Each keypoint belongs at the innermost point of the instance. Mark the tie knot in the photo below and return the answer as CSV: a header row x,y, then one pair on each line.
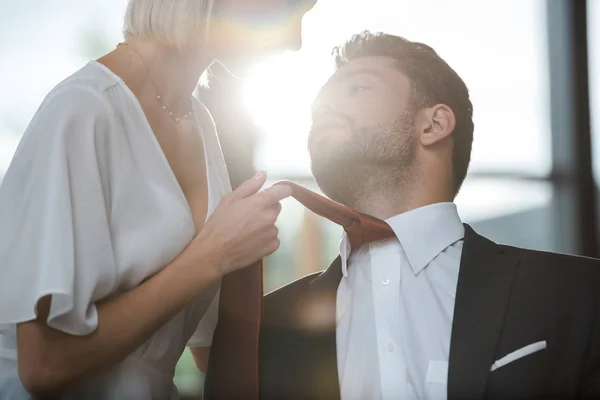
x,y
367,229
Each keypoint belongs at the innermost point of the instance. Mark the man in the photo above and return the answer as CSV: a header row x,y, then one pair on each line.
x,y
436,311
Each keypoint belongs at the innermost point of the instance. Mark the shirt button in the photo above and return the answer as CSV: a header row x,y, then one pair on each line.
x,y
385,281
391,347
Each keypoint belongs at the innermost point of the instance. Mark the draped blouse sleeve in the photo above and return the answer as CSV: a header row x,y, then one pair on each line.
x,y
55,237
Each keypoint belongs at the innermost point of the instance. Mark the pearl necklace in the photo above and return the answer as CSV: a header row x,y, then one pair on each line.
x,y
173,117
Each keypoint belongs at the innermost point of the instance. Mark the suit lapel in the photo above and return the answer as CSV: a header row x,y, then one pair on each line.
x,y
484,285
298,339
321,347
330,278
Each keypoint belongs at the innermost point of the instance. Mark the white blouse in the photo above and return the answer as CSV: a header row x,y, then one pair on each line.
x,y
90,208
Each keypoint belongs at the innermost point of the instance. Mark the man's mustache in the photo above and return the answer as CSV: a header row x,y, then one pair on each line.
x,y
330,119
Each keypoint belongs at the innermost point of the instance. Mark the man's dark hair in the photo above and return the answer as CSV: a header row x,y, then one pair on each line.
x,y
432,82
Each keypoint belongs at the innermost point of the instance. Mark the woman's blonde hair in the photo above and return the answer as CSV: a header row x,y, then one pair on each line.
x,y
180,23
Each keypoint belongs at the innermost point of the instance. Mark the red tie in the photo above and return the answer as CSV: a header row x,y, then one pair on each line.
x,y
234,353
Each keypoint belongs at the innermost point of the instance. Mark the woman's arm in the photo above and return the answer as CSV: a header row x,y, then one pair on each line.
x,y
50,360
240,231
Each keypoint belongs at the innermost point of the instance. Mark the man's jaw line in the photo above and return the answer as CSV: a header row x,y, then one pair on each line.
x,y
388,197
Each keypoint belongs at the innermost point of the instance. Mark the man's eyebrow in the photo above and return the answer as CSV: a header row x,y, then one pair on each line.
x,y
361,71
342,76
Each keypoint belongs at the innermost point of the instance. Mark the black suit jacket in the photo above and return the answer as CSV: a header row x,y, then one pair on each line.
x,y
506,298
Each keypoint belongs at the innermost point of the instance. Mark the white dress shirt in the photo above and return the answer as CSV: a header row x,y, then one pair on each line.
x,y
90,208
395,306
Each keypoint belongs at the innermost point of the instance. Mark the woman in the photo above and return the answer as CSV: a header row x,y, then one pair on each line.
x,y
117,220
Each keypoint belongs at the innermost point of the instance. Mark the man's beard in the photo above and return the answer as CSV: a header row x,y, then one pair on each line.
x,y
374,160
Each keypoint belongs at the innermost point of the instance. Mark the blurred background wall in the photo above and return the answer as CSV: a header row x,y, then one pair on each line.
x,y
536,152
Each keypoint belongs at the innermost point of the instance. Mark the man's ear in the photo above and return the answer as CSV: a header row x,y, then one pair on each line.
x,y
435,124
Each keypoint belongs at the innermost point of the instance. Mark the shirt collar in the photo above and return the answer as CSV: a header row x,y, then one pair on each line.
x,y
423,233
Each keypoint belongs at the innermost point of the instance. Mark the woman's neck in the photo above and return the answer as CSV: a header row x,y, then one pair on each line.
x,y
165,71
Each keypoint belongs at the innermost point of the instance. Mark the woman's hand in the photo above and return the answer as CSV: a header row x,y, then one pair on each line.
x,y
242,229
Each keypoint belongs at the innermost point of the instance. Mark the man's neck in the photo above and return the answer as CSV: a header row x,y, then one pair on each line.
x,y
386,203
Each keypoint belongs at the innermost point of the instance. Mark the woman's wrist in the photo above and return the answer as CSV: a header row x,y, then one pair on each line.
x,y
201,262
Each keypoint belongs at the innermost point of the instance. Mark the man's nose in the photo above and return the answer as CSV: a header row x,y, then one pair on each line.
x,y
322,112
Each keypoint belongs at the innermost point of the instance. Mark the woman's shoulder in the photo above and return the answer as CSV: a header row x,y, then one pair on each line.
x,y
80,103
77,116
84,90
94,76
